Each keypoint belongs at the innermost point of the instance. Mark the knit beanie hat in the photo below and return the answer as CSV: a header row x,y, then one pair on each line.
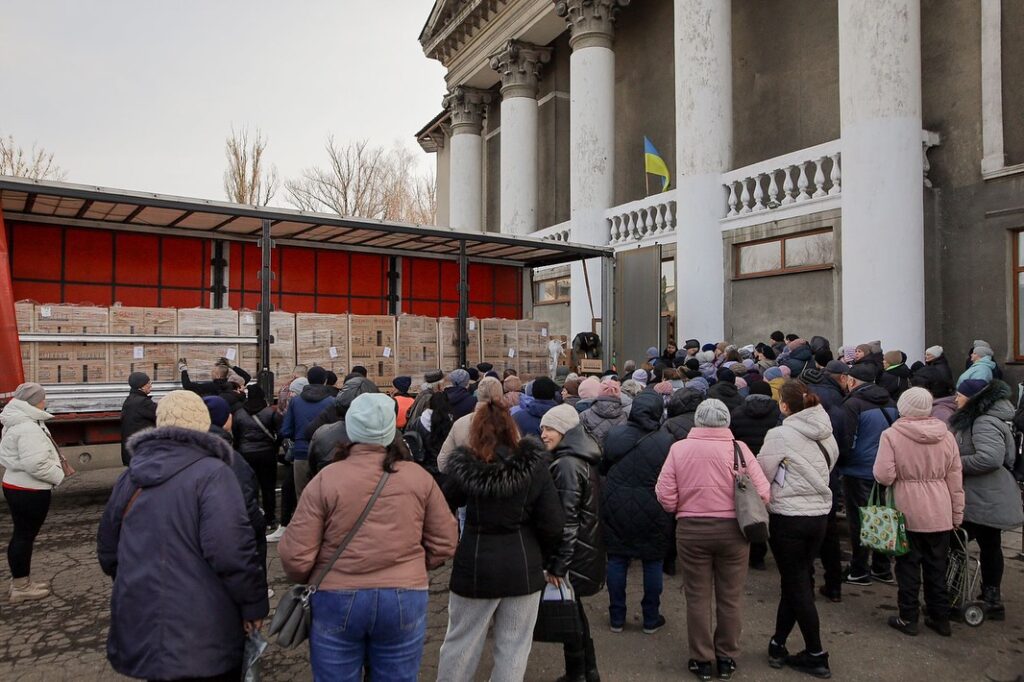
x,y
137,380
561,418
727,375
513,384
640,376
786,371
759,388
893,357
915,402
980,342
32,393
983,351
652,353
864,348
545,389
708,347
434,376
371,419
317,375
459,377
934,351
489,390
712,413
611,388
589,388
218,408
485,367
474,374
772,373
971,387
692,363
663,388
402,383
631,388
741,383
184,409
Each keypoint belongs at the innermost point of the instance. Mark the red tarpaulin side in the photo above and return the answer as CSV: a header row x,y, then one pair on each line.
x,y
11,371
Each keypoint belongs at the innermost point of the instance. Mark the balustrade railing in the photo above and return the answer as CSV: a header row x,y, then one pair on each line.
x,y
648,218
806,175
562,232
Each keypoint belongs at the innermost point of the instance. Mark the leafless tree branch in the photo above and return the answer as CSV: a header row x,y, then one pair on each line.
x,y
247,179
35,163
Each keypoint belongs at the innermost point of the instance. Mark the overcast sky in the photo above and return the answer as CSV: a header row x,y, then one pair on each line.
x,y
140,94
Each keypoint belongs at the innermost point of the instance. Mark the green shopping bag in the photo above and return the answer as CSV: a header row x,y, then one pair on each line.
x,y
883,528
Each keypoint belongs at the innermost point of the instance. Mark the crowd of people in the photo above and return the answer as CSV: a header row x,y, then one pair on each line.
x,y
560,482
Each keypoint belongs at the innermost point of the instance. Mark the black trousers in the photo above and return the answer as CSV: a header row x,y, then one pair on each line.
x,y
288,498
795,542
831,553
265,468
28,512
928,556
585,643
990,544
857,491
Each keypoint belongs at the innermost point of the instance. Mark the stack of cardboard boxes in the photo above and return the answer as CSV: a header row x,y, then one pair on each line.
x,y
448,338
206,322
282,350
533,355
322,340
372,345
66,362
158,360
417,347
500,344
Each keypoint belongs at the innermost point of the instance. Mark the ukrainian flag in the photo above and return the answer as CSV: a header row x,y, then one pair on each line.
x,y
654,164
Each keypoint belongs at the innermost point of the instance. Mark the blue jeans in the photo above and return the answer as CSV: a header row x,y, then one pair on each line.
x,y
618,567
383,627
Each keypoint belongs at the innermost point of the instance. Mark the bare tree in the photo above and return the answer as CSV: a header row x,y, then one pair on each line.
x,y
36,163
247,179
366,181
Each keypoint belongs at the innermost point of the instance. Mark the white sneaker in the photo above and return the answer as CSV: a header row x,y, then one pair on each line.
x,y
270,593
277,534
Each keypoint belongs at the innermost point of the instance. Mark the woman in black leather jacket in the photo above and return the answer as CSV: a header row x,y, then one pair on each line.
x,y
255,437
580,557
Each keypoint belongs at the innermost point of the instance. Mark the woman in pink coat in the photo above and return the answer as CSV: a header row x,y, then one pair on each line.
x,y
696,484
919,458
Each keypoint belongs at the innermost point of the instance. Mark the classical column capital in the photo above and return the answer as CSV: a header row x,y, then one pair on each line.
x,y
468,106
592,22
519,64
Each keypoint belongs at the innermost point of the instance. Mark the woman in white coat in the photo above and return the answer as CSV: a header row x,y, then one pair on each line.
x,y
797,458
33,468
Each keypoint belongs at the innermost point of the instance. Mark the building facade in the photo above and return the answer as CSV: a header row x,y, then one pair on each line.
x,y
838,167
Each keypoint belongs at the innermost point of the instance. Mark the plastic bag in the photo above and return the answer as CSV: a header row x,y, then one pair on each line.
x,y
255,644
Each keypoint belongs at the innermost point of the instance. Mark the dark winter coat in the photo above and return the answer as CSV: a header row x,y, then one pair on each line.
x,y
605,413
988,452
752,420
251,440
221,387
828,392
727,392
862,421
353,388
634,523
580,554
799,359
184,562
138,412
462,401
528,418
874,360
942,365
895,380
314,399
250,491
681,408
513,521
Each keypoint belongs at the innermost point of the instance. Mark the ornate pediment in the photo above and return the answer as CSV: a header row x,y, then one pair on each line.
x,y
453,23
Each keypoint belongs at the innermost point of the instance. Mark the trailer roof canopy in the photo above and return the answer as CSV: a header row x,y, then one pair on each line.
x,y
83,205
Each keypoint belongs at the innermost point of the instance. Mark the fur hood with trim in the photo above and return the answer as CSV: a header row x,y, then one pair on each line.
x,y
983,403
508,475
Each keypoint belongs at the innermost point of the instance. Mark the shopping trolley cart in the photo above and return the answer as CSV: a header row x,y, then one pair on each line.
x,y
962,579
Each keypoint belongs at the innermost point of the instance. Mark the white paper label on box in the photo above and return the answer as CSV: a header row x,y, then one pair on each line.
x,y
46,311
387,352
472,326
248,318
333,352
138,352
511,352
543,331
230,354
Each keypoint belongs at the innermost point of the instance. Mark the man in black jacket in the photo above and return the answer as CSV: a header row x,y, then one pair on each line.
x,y
219,383
138,411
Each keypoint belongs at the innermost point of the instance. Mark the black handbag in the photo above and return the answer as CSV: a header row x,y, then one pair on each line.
x,y
293,615
558,619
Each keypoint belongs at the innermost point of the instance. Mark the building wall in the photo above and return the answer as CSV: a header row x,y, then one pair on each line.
x,y
1013,66
785,76
644,95
492,165
442,215
553,137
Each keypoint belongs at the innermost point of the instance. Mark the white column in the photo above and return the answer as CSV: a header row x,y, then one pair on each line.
x,y
465,189
993,158
519,65
883,203
591,141
703,53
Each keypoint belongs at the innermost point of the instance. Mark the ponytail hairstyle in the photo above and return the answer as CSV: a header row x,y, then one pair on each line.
x,y
796,397
492,426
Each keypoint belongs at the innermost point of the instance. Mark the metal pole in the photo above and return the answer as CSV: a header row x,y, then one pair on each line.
x,y
608,311
265,376
217,286
393,283
463,302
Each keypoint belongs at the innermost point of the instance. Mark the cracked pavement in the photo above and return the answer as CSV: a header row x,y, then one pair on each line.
x,y
64,637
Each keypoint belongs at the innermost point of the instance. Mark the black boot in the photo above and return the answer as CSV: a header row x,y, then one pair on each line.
x,y
590,662
994,609
575,666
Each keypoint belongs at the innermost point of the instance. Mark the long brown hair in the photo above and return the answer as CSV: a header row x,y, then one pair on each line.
x,y
397,451
491,427
796,396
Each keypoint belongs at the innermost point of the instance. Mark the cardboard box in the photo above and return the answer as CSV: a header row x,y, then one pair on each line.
x,y
282,328
322,340
592,367
207,322
201,357
372,344
417,346
52,318
158,360
24,312
143,321
448,341
534,357
28,361
499,343
58,362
